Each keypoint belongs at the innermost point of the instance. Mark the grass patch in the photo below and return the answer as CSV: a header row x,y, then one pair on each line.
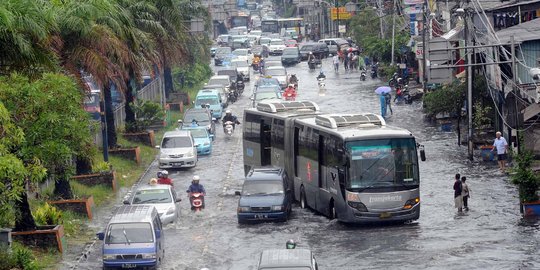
x,y
101,193
47,259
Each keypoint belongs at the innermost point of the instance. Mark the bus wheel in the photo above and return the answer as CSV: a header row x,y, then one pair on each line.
x,y
303,203
333,214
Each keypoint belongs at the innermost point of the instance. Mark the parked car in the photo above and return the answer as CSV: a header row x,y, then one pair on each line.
x,y
266,196
223,54
280,73
203,118
335,44
287,259
162,197
291,56
133,230
243,68
276,46
203,139
244,55
177,150
319,49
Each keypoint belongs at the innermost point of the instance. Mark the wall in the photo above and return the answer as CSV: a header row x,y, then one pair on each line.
x,y
530,54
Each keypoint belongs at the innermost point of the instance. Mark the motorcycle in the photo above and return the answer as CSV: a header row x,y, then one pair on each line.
x,y
240,86
197,201
363,75
406,95
232,96
228,128
313,63
374,69
321,82
289,96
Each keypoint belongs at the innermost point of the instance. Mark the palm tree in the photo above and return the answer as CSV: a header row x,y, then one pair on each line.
x,y
25,37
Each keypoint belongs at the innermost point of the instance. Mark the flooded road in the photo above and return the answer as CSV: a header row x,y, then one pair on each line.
x,y
491,235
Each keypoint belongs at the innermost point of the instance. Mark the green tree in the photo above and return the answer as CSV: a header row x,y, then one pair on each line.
x,y
49,112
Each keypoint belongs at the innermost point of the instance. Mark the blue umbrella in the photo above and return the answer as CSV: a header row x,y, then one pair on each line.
x,y
383,90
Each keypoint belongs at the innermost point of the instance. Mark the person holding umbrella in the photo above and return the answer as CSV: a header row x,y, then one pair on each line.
x,y
382,91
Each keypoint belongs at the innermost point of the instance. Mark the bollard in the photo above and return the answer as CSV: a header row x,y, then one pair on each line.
x,y
5,237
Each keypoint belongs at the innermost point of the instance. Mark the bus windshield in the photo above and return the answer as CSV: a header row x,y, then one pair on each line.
x,y
382,163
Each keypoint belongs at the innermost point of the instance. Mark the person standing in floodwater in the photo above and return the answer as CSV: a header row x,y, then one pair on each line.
x,y
458,189
501,146
465,193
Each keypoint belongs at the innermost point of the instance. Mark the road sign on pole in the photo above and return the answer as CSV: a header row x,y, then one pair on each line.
x,y
343,14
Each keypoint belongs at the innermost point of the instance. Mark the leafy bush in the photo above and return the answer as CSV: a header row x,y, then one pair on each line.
x,y
19,258
146,113
47,215
190,75
387,71
445,99
524,177
101,167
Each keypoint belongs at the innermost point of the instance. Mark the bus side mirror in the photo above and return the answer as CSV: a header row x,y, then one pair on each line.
x,y
422,153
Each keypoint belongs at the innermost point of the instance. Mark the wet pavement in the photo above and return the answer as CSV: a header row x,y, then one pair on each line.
x,y
492,235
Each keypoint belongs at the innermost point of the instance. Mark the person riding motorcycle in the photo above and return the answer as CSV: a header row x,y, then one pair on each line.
x,y
290,244
293,80
310,57
229,117
194,123
321,75
290,92
195,187
163,178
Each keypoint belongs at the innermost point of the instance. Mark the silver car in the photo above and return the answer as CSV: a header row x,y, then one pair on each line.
x,y
243,68
162,197
280,73
177,150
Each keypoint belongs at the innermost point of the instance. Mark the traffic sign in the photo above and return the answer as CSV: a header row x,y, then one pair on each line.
x,y
343,14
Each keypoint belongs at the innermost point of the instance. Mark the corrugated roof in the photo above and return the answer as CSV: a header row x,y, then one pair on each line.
x,y
490,5
526,31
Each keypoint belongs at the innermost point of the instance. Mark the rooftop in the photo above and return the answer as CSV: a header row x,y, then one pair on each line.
x,y
522,32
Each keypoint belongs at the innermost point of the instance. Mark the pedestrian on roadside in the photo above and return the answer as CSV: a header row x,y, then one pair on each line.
x,y
501,146
458,189
466,193
388,99
335,60
382,99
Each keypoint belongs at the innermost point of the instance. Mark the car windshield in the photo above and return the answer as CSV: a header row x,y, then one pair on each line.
x,y
262,187
267,81
176,142
276,72
198,133
240,52
290,52
276,42
146,196
306,48
257,50
240,64
198,116
382,163
122,233
267,95
223,50
224,82
206,100
264,40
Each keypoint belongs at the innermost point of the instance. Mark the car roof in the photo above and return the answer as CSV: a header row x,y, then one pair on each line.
x,y
276,67
207,92
220,76
197,110
285,258
134,213
177,133
276,39
265,173
213,86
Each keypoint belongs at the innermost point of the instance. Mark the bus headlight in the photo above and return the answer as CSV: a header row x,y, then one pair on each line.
x,y
358,206
410,203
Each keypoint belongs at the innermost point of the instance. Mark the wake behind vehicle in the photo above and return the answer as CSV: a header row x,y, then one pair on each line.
x,y
352,167
265,196
133,238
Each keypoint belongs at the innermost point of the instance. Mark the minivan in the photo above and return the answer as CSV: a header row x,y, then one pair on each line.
x,y
319,49
177,150
335,44
287,259
212,99
133,238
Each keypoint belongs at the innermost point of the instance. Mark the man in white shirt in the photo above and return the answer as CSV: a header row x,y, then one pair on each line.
x,y
501,146
335,60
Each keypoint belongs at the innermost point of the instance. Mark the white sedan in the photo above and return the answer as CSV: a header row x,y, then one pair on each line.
x,y
243,67
278,72
276,46
244,55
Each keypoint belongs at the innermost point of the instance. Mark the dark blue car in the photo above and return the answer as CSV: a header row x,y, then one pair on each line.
x,y
266,196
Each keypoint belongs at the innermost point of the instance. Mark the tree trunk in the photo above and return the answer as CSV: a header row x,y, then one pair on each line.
x,y
130,98
62,188
111,129
459,128
83,165
168,81
24,220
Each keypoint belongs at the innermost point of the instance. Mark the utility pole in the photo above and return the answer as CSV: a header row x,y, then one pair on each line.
x,y
393,30
424,46
104,137
514,86
469,89
336,3
380,12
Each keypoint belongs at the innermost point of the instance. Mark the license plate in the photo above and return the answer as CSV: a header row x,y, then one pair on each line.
x,y
177,163
129,265
260,216
385,215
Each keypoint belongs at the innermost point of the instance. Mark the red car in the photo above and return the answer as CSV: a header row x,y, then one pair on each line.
x,y
291,43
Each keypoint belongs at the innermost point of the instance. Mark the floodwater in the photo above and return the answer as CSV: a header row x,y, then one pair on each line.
x,y
492,235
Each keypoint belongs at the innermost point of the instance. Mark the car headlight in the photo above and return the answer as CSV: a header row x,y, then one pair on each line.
x,y
149,255
189,154
277,207
243,209
163,156
170,211
109,257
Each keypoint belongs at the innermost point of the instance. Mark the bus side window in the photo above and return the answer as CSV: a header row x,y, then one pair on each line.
x,y
296,149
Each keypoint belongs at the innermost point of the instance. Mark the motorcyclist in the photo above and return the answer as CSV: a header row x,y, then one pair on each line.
x,y
290,244
163,178
229,117
321,75
195,187
194,123
310,57
290,92
293,80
